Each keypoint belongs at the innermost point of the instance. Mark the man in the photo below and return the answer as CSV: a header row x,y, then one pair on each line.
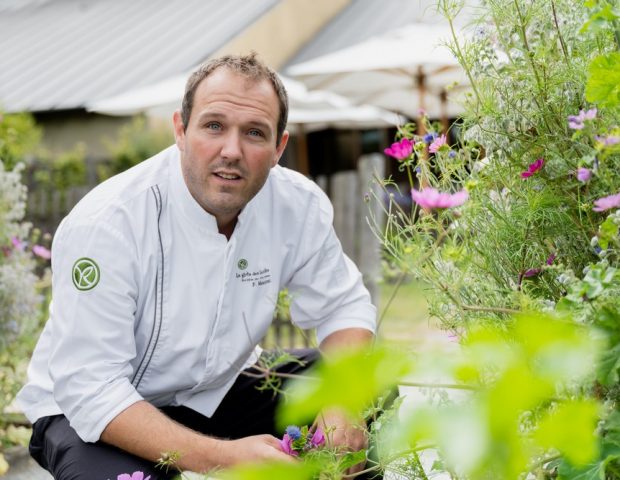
x,y
165,278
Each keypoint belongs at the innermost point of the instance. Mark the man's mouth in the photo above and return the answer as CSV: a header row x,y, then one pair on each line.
x,y
228,176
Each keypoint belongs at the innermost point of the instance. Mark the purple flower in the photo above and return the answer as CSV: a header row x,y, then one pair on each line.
x,y
286,444
583,174
400,150
532,272
18,244
429,137
576,122
452,154
608,141
133,476
430,198
293,431
533,168
605,203
41,251
318,438
437,144
551,259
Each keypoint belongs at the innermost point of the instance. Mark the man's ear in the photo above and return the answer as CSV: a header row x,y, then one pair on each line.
x,y
179,129
280,148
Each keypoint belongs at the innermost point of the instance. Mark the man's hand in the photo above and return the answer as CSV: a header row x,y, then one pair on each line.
x,y
254,449
343,434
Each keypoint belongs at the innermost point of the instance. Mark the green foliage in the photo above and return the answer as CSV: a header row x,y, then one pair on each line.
x,y
19,138
349,380
136,142
603,86
273,471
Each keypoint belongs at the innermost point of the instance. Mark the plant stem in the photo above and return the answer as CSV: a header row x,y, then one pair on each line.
x,y
474,308
389,302
451,386
557,26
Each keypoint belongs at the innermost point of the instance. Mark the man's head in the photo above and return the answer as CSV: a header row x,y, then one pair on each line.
x,y
230,134
247,65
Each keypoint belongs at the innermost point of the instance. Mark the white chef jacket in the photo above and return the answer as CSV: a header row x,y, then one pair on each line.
x,y
151,302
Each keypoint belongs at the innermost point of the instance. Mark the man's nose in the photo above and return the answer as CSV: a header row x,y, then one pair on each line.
x,y
231,148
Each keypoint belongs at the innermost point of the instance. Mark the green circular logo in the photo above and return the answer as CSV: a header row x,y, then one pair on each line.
x,y
242,264
85,274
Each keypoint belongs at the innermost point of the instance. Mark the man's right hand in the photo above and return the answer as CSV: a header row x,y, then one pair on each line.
x,y
254,449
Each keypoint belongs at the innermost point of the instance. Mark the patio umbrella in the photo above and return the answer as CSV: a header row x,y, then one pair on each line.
x,y
312,109
308,110
403,70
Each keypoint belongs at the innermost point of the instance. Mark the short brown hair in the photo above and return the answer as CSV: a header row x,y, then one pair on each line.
x,y
249,66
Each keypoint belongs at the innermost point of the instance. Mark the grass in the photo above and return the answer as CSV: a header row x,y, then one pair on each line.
x,y
405,320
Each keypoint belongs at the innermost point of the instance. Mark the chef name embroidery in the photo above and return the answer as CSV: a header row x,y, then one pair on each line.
x,y
257,278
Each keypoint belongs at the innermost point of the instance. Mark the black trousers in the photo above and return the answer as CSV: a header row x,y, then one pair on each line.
x,y
244,411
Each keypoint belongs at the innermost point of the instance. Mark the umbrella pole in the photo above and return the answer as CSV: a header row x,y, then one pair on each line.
x,y
420,81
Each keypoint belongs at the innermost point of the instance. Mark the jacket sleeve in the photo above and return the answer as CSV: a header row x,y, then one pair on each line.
x,y
95,293
326,287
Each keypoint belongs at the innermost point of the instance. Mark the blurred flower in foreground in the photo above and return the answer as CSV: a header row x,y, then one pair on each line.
x,y
583,174
576,122
133,476
41,251
533,168
605,203
607,141
430,198
400,150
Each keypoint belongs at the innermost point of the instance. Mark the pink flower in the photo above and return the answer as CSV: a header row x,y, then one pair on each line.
x,y
533,168
606,203
430,198
133,476
583,174
286,444
608,141
400,150
437,144
318,438
18,244
41,251
576,121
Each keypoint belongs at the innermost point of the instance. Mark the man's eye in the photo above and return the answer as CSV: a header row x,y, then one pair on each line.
x,y
255,133
213,126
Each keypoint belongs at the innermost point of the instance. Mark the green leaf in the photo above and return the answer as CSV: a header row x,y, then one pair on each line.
x,y
351,380
594,471
603,87
272,471
607,232
350,459
570,428
608,366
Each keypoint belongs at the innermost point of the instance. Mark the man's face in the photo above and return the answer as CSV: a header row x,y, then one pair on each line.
x,y
229,145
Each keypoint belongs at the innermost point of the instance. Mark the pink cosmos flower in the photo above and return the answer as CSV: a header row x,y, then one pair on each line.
x,y
437,143
133,476
430,198
605,203
583,174
576,122
533,168
318,438
286,444
41,251
400,150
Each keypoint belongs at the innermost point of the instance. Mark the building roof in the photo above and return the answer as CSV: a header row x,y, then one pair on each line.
x,y
61,54
364,19
361,20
